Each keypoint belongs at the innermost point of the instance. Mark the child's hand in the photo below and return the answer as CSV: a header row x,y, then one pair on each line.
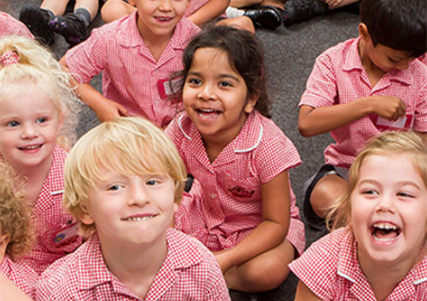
x,y
388,107
109,110
224,260
333,3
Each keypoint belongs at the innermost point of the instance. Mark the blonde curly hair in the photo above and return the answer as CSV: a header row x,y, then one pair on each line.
x,y
37,65
14,214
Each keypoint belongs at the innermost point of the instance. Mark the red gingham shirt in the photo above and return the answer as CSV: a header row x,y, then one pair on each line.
x,y
130,75
230,206
329,268
339,77
21,274
48,217
10,26
189,272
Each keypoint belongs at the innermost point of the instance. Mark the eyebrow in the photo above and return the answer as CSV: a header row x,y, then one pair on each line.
x,y
222,75
400,183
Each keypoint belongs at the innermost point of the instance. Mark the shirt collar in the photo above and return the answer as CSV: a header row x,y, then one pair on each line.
x,y
353,62
247,140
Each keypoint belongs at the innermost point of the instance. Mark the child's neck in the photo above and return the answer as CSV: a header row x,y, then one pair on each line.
x,y
384,278
135,266
33,179
374,73
155,43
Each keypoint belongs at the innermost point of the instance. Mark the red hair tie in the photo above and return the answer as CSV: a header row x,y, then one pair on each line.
x,y
9,58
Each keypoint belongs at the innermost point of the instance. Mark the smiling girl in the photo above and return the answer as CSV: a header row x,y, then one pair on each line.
x,y
244,208
378,248
37,111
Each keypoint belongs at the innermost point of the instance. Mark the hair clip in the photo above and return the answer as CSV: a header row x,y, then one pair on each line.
x,y
9,58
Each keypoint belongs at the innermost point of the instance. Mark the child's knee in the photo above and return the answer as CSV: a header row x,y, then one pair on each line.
x,y
326,192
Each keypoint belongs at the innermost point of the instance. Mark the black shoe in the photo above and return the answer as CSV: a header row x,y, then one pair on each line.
x,y
37,20
265,16
297,11
71,27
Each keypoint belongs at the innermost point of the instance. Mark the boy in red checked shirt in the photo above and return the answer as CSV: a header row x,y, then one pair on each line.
x,y
123,181
10,26
362,87
136,55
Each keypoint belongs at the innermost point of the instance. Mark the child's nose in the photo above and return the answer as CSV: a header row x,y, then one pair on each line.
x,y
29,132
166,4
207,93
138,197
386,203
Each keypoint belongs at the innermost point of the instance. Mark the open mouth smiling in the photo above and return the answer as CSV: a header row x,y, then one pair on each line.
x,y
385,231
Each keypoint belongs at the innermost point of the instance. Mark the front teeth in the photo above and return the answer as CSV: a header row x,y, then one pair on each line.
x,y
31,147
139,219
386,227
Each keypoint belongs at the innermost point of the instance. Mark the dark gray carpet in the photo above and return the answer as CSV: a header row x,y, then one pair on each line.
x,y
290,53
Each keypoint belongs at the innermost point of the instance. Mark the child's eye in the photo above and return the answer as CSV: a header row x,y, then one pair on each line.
x,y
114,187
152,182
393,61
12,124
405,195
194,81
41,120
370,192
225,84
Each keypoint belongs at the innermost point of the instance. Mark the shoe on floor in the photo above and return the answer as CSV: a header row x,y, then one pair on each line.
x,y
37,20
71,27
297,11
265,16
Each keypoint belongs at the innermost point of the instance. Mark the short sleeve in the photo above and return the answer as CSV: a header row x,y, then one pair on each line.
x,y
321,89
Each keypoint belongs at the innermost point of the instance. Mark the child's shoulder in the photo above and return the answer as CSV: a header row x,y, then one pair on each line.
x,y
341,54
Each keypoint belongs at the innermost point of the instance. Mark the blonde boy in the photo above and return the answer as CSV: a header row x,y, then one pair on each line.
x,y
123,180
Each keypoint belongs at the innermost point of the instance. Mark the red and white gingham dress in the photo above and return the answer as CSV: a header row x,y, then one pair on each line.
x,y
10,26
329,268
339,77
48,218
189,272
130,74
228,205
21,274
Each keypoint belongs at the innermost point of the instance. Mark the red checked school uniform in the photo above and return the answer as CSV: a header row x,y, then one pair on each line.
x,y
10,26
228,205
130,74
339,77
189,272
21,274
329,268
56,234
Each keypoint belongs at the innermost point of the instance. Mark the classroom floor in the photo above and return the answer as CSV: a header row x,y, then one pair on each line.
x,y
289,53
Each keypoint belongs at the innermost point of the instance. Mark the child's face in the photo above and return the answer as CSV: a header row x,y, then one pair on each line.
x,y
388,59
158,18
215,96
389,209
130,209
29,126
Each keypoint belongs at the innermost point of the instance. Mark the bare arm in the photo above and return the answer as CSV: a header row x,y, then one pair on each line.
x,y
211,10
104,108
316,121
268,234
9,292
305,294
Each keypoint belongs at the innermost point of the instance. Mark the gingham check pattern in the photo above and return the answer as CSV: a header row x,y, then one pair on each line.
x,y
10,26
21,274
221,218
339,77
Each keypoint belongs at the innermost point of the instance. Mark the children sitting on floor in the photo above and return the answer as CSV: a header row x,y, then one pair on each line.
x,y
361,87
378,248
38,115
123,181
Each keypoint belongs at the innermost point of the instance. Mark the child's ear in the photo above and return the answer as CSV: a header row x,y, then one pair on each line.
x,y
364,32
85,217
250,104
4,241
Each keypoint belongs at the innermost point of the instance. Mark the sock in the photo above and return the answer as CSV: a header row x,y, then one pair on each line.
x,y
233,12
84,15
